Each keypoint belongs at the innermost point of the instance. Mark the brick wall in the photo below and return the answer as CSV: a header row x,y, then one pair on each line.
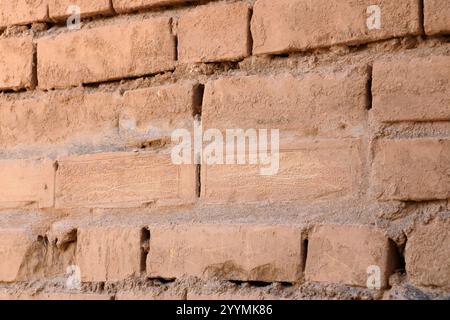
x,y
91,199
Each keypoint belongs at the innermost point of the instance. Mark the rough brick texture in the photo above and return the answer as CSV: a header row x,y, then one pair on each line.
x,y
16,56
13,12
130,5
59,9
232,252
289,25
106,53
342,254
437,17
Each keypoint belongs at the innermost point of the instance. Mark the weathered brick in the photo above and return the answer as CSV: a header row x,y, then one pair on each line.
x,y
289,25
427,254
106,53
412,169
412,89
16,63
313,170
214,33
231,295
150,295
343,254
232,252
58,9
131,5
30,295
295,105
123,180
57,117
15,245
13,12
153,113
108,253
437,16
26,183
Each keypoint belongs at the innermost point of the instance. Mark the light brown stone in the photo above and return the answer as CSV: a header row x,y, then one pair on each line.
x,y
58,9
437,17
13,12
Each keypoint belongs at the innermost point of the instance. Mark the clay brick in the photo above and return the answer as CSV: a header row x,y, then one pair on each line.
x,y
123,180
15,244
427,254
312,171
342,254
412,169
106,53
150,295
16,63
154,113
26,183
412,89
437,17
58,117
132,5
230,252
290,25
214,33
58,9
13,12
294,105
108,253
50,296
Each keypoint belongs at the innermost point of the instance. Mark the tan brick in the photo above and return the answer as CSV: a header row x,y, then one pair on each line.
x,y
58,9
231,252
214,33
427,254
15,247
106,53
123,180
312,171
108,253
437,16
131,5
78,296
412,169
150,295
13,12
342,254
58,117
16,63
412,89
295,105
289,25
153,113
26,183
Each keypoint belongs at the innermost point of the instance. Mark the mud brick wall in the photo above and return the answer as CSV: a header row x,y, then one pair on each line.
x,y
92,205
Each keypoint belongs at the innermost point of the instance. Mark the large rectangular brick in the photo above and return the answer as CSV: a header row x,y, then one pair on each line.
x,y
14,12
123,180
110,253
427,254
412,169
343,254
154,113
214,33
58,9
412,89
132,5
314,170
230,252
289,25
331,104
15,245
57,117
106,53
16,63
437,16
26,183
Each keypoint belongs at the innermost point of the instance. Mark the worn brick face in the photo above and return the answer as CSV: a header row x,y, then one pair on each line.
x,y
291,25
214,33
106,53
412,89
437,17
13,12
412,169
123,180
58,9
342,254
230,252
16,63
14,246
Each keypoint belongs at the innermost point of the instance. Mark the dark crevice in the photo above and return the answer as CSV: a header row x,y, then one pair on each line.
x,y
198,182
145,247
199,91
422,16
369,95
250,35
400,255
256,284
304,253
